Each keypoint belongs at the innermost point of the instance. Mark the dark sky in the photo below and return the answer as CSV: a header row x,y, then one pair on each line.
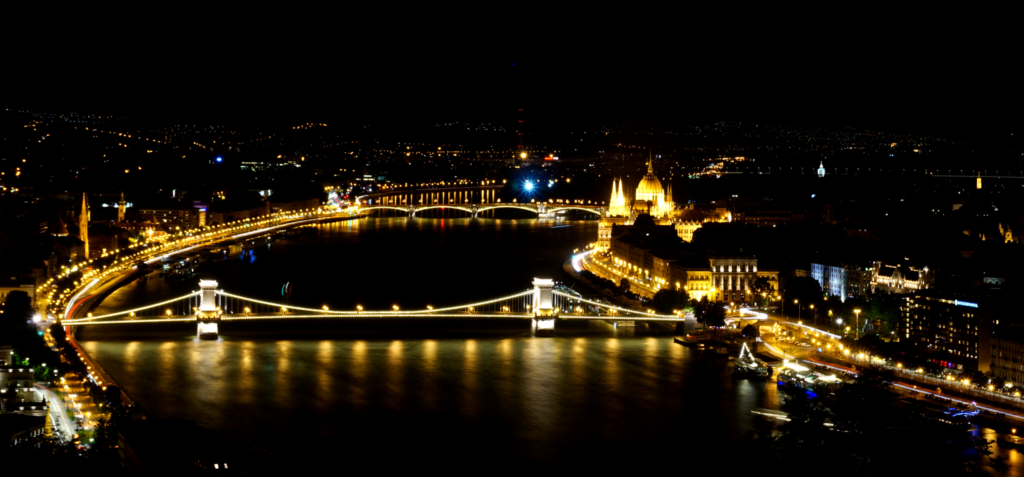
x,y
932,72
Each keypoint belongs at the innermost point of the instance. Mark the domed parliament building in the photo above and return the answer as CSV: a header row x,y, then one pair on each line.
x,y
640,240
651,198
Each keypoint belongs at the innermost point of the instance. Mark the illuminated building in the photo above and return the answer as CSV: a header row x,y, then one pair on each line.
x,y
658,201
1008,358
821,169
688,219
617,204
842,280
83,226
58,229
173,219
1008,234
955,329
652,257
900,278
121,204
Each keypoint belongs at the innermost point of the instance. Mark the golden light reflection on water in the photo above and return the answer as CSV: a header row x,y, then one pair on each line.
x,y
246,380
283,356
540,378
131,356
612,357
511,385
469,378
506,367
578,369
651,355
357,389
167,353
216,361
429,377
770,396
1013,458
325,371
394,387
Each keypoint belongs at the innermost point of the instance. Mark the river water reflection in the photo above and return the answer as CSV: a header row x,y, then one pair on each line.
x,y
466,392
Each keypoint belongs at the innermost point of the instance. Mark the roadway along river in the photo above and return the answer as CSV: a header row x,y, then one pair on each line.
x,y
418,395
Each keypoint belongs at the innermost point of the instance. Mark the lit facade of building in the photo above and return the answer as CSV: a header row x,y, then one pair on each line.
x,y
659,201
1008,359
175,219
83,226
899,279
956,330
617,206
652,258
652,199
842,280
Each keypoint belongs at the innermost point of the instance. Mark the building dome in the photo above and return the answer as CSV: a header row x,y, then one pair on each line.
x,y
650,186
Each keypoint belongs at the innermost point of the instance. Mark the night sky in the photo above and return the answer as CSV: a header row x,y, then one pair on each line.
x,y
950,73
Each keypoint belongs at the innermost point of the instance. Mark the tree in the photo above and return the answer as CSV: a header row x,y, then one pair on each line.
x,y
668,301
17,329
60,337
763,291
882,308
805,289
750,331
709,313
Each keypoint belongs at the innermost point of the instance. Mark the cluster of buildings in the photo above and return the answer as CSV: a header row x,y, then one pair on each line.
x,y
76,234
655,201
646,241
848,280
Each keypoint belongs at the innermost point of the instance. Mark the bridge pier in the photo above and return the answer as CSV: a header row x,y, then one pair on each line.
x,y
208,315
543,311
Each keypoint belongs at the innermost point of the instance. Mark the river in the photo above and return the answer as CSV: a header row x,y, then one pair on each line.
x,y
411,394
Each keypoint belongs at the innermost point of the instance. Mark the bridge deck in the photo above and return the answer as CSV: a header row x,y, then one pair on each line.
x,y
366,315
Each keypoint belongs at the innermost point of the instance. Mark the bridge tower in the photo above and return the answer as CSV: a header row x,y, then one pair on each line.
x,y
542,211
543,311
208,315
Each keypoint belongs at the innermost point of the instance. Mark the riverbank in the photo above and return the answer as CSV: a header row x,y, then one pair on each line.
x,y
103,287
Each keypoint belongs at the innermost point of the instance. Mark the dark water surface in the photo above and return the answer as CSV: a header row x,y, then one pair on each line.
x,y
417,395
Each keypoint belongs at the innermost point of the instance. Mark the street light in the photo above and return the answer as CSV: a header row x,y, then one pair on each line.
x,y
856,311
797,308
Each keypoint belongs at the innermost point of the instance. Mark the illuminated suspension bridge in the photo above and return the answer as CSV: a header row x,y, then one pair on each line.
x,y
544,304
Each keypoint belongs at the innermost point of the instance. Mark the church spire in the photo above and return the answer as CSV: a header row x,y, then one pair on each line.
x,y
83,226
120,208
650,163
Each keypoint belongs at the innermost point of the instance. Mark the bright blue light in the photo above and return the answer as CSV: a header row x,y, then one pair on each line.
x,y
528,186
220,159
